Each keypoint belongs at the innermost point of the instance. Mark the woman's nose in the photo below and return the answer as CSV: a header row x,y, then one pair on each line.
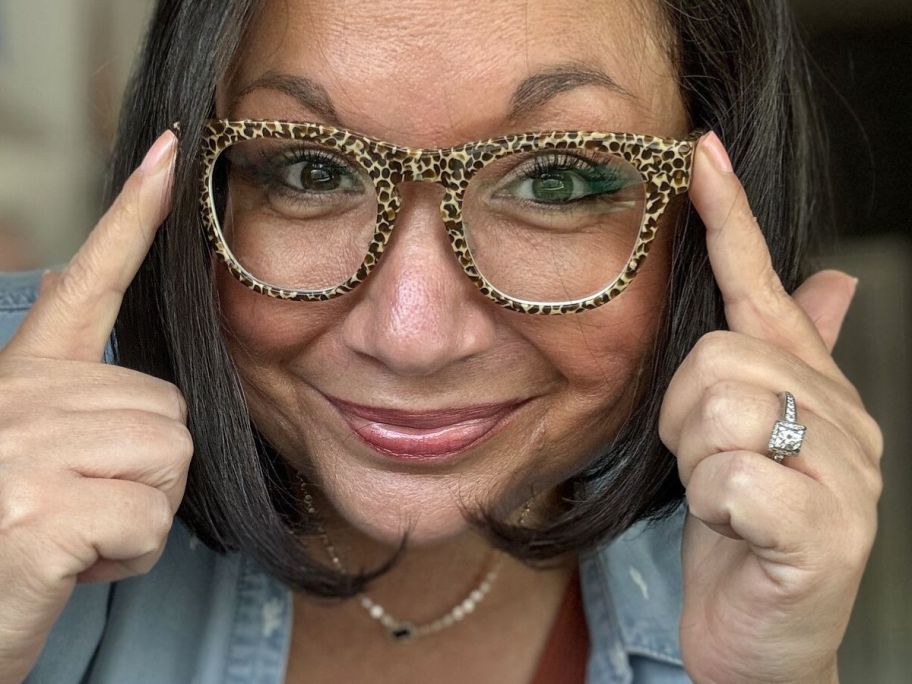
x,y
418,312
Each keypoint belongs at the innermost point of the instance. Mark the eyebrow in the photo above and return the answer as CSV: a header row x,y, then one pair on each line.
x,y
305,90
537,89
532,93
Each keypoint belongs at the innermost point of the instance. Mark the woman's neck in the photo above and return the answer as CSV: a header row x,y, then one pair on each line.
x,y
428,580
500,640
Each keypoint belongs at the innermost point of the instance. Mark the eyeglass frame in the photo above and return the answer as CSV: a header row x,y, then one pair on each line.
x,y
664,164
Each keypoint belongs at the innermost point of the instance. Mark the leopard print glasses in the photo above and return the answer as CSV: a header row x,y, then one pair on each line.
x,y
543,223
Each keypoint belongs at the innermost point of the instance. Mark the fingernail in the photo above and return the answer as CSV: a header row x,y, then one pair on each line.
x,y
716,151
159,153
854,286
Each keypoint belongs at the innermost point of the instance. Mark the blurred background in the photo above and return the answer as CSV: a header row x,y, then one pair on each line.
x,y
63,66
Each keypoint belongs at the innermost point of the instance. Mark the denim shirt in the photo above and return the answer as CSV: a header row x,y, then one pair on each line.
x,y
202,617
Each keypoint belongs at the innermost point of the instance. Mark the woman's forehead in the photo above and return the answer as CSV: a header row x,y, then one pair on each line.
x,y
436,70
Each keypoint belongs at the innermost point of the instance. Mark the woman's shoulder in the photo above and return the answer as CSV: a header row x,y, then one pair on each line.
x,y
220,617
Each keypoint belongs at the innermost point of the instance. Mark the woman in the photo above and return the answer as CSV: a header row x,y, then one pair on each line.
x,y
380,425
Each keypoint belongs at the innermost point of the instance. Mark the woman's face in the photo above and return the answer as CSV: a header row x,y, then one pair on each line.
x,y
417,336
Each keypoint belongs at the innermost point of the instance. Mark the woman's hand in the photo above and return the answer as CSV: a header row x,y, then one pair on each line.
x,y
93,457
773,553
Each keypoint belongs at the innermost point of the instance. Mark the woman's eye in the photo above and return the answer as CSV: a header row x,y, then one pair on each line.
x,y
557,184
556,187
318,176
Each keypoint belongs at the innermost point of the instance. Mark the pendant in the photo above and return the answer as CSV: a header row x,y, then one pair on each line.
x,y
402,631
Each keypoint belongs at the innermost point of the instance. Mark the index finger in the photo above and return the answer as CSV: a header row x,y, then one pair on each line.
x,y
74,318
756,303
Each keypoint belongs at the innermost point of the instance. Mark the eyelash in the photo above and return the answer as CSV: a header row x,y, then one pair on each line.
x,y
273,166
539,164
542,163
269,168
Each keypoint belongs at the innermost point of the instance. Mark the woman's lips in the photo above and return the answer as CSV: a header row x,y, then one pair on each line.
x,y
423,434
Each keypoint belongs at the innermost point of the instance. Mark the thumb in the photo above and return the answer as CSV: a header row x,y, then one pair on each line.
x,y
825,297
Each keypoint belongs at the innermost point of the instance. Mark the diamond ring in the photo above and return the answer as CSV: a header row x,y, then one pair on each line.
x,y
788,433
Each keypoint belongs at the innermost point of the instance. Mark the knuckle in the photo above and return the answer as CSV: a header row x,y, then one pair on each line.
x,y
22,400
182,440
859,540
24,502
717,404
666,429
873,478
173,403
865,434
181,403
875,436
173,443
739,475
155,519
161,517
13,439
712,347
152,543
143,564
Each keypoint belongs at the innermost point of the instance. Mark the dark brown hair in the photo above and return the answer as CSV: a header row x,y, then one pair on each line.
x,y
742,72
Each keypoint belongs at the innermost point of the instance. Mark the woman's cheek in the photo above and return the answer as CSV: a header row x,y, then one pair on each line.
x,y
268,329
600,351
597,353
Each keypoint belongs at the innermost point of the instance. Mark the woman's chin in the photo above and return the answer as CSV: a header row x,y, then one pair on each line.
x,y
385,505
427,523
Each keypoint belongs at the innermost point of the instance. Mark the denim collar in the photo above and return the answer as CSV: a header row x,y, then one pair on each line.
x,y
632,595
20,289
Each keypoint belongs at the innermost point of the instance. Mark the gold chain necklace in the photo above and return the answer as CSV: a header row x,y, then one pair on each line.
x,y
404,630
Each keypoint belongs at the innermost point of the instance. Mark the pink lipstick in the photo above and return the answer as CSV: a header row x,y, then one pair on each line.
x,y
422,435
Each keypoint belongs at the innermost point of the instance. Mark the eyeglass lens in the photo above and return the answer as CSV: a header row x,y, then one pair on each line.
x,y
546,225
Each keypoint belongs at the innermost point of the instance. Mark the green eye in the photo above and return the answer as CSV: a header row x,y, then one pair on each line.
x,y
562,179
562,186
